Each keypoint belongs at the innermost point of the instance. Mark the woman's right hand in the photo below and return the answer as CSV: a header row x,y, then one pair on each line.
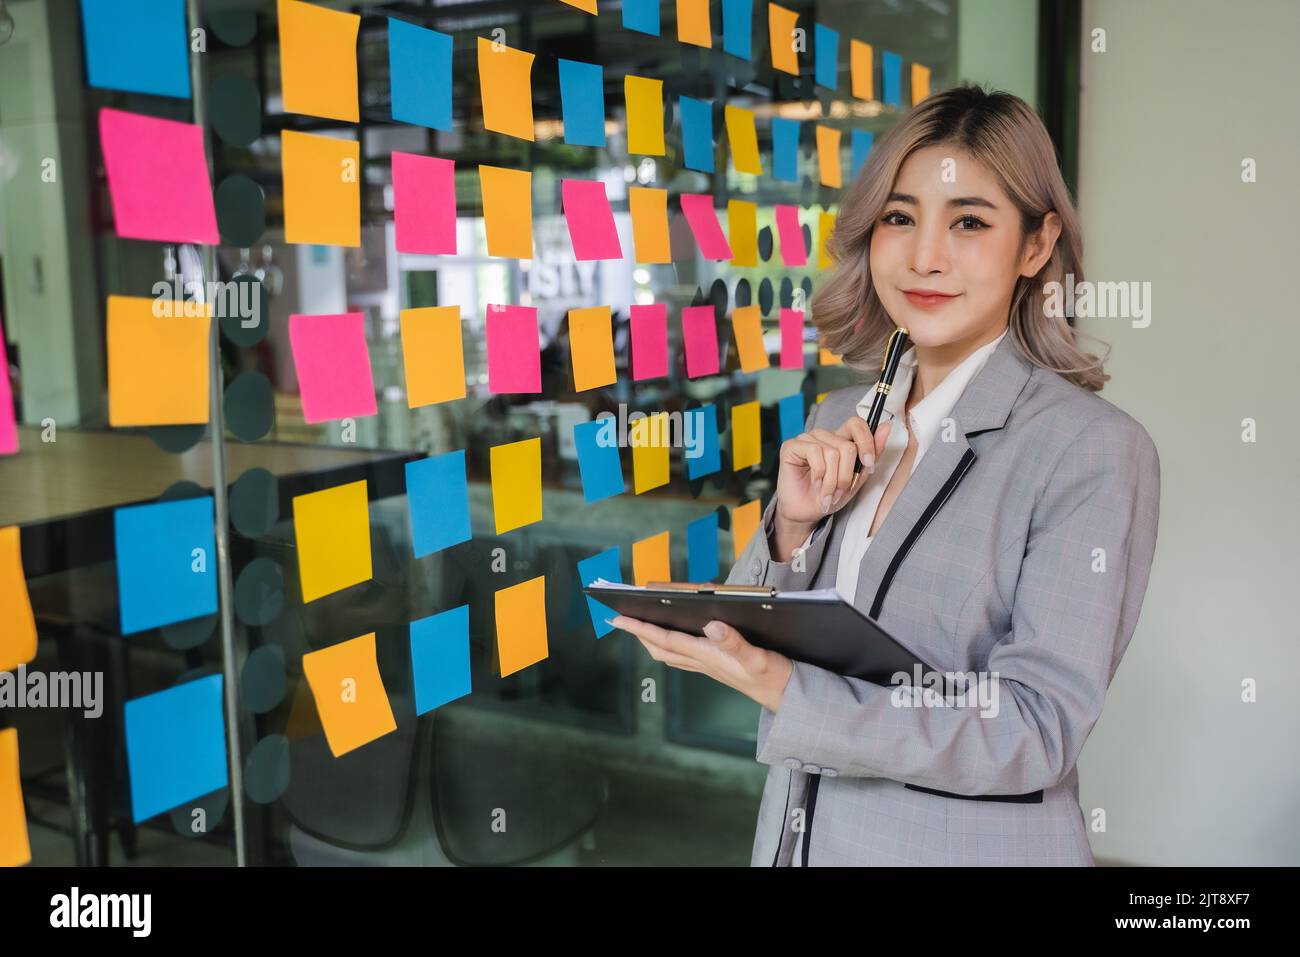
x,y
816,471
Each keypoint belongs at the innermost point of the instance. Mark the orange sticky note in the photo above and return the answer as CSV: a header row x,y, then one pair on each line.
x,y
747,325
650,560
15,849
507,211
828,156
649,208
157,361
332,528
862,70
825,226
433,355
743,139
693,23
650,439
920,83
318,60
645,115
505,78
516,483
781,24
350,697
322,192
587,6
827,358
742,232
744,523
17,625
521,625
591,347
746,440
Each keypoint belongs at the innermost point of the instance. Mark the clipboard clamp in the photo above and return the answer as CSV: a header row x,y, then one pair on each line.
x,y
709,588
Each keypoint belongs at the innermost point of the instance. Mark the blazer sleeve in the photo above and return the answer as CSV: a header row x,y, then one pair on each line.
x,y
1070,624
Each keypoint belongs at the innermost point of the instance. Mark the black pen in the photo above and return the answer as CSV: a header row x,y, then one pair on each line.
x,y
888,368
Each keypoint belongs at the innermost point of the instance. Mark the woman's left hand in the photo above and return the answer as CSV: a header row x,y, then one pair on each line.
x,y
723,654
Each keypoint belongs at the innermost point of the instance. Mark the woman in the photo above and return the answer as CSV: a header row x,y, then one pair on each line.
x,y
1003,523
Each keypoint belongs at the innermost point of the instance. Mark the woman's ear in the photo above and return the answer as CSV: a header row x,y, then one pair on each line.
x,y
1039,245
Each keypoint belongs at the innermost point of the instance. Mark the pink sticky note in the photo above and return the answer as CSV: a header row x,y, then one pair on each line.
x,y
700,334
8,425
791,338
591,221
333,365
793,251
649,341
513,353
424,204
703,220
157,178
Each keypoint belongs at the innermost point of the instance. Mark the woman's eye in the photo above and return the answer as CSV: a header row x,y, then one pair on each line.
x,y
968,223
895,219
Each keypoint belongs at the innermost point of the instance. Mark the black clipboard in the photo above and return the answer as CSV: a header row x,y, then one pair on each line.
x,y
829,634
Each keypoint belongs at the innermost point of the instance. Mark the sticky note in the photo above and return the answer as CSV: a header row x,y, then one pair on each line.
x,y
790,234
601,565
157,178
507,211
828,156
644,98
641,16
590,220
700,337
825,227
738,28
792,416
333,366
785,149
437,497
743,139
827,358
747,327
513,351
17,624
175,746
8,422
693,25
419,69
697,133
649,210
586,6
15,847
891,78
703,220
649,341
521,625
433,355
862,70
703,454
516,483
157,361
318,60
582,102
650,440
424,204
349,693
650,560
702,549
596,443
744,523
440,658
591,347
322,192
332,529
505,78
920,83
862,141
826,56
781,24
746,440
791,338
137,46
166,562
742,226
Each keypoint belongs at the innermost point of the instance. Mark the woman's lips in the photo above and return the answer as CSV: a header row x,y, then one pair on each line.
x,y
928,300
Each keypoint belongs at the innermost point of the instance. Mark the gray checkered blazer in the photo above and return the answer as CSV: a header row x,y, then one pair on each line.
x,y
1022,547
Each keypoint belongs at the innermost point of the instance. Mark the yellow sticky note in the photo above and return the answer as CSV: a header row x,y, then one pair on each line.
x,y
743,138
332,528
650,439
318,60
516,483
746,440
645,115
322,192
505,78
649,208
433,355
781,24
15,850
693,23
591,346
742,232
828,156
587,6
507,211
157,361
822,395
920,83
862,70
350,697
827,358
747,325
650,560
17,625
744,523
521,625
825,226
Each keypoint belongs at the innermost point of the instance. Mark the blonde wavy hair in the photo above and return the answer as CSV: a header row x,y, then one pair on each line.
x,y
1004,133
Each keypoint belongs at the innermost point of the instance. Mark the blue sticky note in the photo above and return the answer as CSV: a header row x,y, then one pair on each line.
x,y
166,562
597,446
791,414
738,28
697,133
175,746
438,499
440,658
826,56
641,16
702,548
582,101
862,141
601,565
785,149
140,46
702,453
419,65
891,69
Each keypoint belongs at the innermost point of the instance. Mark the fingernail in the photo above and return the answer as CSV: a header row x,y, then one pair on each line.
x,y
836,500
713,631
826,504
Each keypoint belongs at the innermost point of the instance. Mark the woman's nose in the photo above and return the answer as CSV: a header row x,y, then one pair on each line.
x,y
929,250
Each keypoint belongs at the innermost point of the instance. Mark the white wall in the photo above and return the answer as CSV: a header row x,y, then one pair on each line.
x,y
1187,773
